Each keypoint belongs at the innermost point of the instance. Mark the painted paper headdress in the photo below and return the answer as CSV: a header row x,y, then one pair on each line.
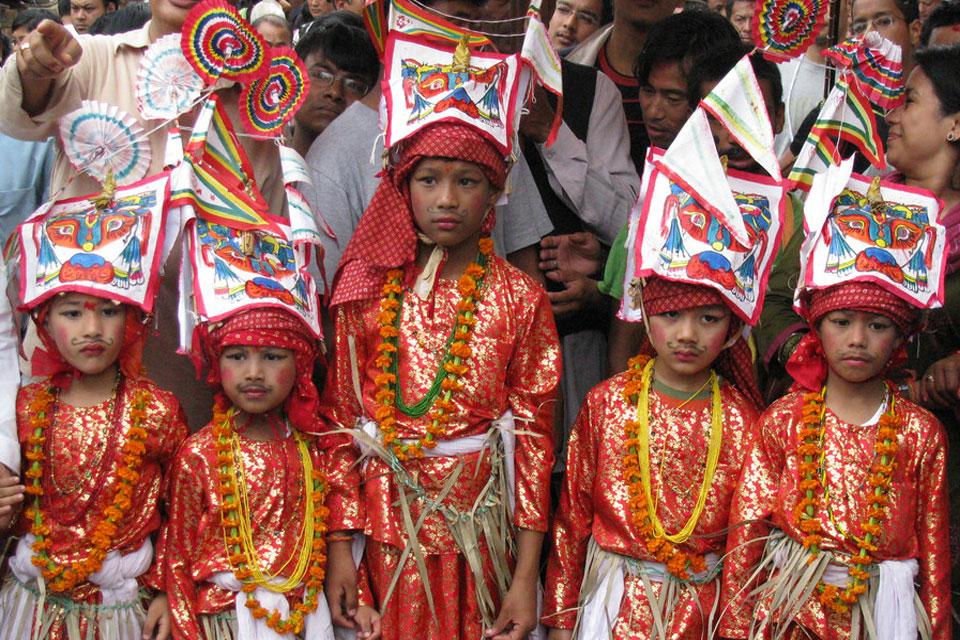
x,y
865,230
237,255
106,245
427,84
681,239
699,223
226,271
440,75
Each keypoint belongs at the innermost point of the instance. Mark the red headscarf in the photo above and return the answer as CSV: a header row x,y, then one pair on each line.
x,y
270,327
734,363
808,364
386,237
47,361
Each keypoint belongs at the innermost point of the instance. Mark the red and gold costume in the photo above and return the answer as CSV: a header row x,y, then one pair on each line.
x,y
194,541
514,365
595,501
81,459
914,526
273,472
595,513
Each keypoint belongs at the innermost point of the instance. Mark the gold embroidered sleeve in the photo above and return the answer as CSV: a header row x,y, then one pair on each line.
x,y
185,504
572,523
532,377
339,404
753,504
933,529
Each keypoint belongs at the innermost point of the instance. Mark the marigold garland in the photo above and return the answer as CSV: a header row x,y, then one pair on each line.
x,y
453,364
238,538
679,563
810,448
60,578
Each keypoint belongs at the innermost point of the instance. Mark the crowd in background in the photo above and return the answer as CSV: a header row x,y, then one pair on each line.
x,y
633,72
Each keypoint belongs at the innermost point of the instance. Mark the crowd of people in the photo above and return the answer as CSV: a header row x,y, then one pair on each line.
x,y
483,425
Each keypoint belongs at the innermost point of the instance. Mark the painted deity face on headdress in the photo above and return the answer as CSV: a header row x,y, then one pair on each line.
x,y
862,230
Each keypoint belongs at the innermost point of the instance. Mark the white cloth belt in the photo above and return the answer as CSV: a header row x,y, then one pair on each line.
x,y
316,625
602,605
21,608
894,613
895,616
451,448
117,577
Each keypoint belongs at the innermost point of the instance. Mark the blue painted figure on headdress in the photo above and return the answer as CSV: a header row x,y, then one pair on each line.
x,y
270,260
870,235
103,246
435,88
703,247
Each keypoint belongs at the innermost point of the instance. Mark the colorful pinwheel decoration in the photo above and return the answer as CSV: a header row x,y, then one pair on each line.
x,y
271,100
874,65
100,139
788,27
221,44
167,84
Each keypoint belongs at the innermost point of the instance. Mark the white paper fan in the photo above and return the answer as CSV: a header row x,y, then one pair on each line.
x,y
166,83
99,138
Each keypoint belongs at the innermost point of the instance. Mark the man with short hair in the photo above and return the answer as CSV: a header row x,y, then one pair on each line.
x,y
573,21
614,50
942,27
356,6
83,13
740,15
342,65
896,20
26,21
927,7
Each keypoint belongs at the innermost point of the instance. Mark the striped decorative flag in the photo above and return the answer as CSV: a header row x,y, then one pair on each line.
x,y
846,115
217,178
874,66
737,103
413,19
375,20
383,16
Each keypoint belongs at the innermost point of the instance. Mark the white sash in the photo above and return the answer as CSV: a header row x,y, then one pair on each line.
x,y
117,580
601,605
316,625
894,612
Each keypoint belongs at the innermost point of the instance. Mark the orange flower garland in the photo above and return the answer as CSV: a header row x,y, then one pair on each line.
x,y
810,448
233,529
454,362
60,578
679,563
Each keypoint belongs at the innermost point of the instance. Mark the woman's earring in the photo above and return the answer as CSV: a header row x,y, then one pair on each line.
x,y
951,137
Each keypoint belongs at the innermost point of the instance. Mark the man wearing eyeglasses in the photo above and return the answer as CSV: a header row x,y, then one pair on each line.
x,y
896,20
342,66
